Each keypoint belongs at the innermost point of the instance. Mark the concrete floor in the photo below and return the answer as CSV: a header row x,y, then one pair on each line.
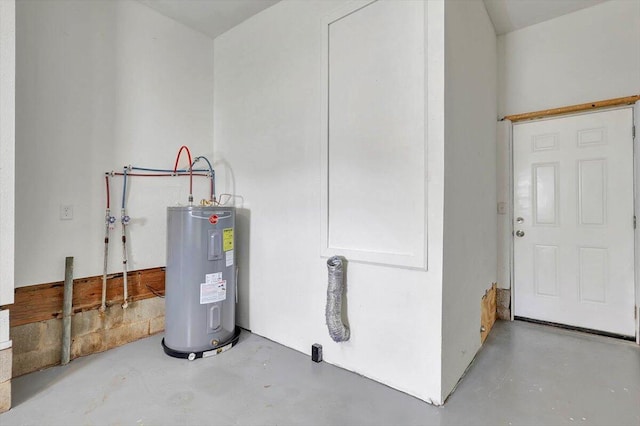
x,y
525,374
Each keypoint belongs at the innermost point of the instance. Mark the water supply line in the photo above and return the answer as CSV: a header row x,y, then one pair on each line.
x,y
125,221
109,224
337,330
175,170
212,173
67,309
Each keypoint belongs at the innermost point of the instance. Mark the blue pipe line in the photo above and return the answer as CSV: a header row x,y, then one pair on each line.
x,y
205,159
213,173
145,169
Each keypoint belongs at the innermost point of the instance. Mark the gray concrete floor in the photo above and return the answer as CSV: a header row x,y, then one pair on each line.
x,y
525,374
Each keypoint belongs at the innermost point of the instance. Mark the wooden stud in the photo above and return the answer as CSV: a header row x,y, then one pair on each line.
x,y
628,100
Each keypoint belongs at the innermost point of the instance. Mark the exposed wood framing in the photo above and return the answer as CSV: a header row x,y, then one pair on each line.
x,y
628,100
487,312
43,302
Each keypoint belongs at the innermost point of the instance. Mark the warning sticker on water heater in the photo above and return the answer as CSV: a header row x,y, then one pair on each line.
x,y
227,239
213,292
229,258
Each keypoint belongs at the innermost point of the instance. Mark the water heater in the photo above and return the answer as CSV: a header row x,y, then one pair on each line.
x,y
200,282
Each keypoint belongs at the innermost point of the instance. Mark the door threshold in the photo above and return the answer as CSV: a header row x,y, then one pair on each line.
x,y
574,328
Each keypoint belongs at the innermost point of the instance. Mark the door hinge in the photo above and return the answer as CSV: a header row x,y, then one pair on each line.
x,y
635,312
635,222
633,132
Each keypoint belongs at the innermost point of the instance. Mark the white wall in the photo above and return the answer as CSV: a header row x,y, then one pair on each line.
x,y
267,124
100,85
470,182
585,56
7,150
7,162
589,55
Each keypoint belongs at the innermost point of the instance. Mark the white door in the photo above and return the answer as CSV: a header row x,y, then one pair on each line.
x,y
573,221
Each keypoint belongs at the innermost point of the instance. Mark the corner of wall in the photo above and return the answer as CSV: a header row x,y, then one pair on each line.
x,y
470,225
7,149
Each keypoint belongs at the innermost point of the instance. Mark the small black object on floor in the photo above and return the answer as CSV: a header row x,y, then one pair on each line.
x,y
316,352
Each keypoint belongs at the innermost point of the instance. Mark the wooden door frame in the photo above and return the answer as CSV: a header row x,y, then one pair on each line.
x,y
573,111
636,205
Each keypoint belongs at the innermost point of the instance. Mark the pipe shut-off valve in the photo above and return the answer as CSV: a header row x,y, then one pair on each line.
x,y
111,221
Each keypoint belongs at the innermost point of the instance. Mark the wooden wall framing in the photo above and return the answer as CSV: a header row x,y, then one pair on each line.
x,y
44,301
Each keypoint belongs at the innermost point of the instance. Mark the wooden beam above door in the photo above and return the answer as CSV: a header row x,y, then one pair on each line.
x,y
628,100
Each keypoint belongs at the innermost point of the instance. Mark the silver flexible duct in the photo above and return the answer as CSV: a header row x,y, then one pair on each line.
x,y
337,330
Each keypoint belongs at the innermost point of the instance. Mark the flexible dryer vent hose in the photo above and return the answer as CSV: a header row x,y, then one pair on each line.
x,y
337,330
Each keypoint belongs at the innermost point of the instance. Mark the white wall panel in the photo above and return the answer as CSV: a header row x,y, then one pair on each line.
x,y
374,171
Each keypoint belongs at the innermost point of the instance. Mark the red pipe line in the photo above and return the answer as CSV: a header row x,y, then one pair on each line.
x,y
175,167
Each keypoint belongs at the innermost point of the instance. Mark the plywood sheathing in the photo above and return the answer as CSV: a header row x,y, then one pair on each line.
x,y
44,301
487,312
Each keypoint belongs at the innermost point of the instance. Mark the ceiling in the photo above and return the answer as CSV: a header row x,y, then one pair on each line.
x,y
511,15
214,17
211,17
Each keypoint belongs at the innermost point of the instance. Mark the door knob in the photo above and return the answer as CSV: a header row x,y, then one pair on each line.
x,y
519,233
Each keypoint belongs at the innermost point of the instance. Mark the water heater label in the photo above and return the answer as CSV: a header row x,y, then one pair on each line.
x,y
213,278
229,258
213,292
227,239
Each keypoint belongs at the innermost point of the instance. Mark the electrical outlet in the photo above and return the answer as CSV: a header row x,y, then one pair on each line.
x,y
66,212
